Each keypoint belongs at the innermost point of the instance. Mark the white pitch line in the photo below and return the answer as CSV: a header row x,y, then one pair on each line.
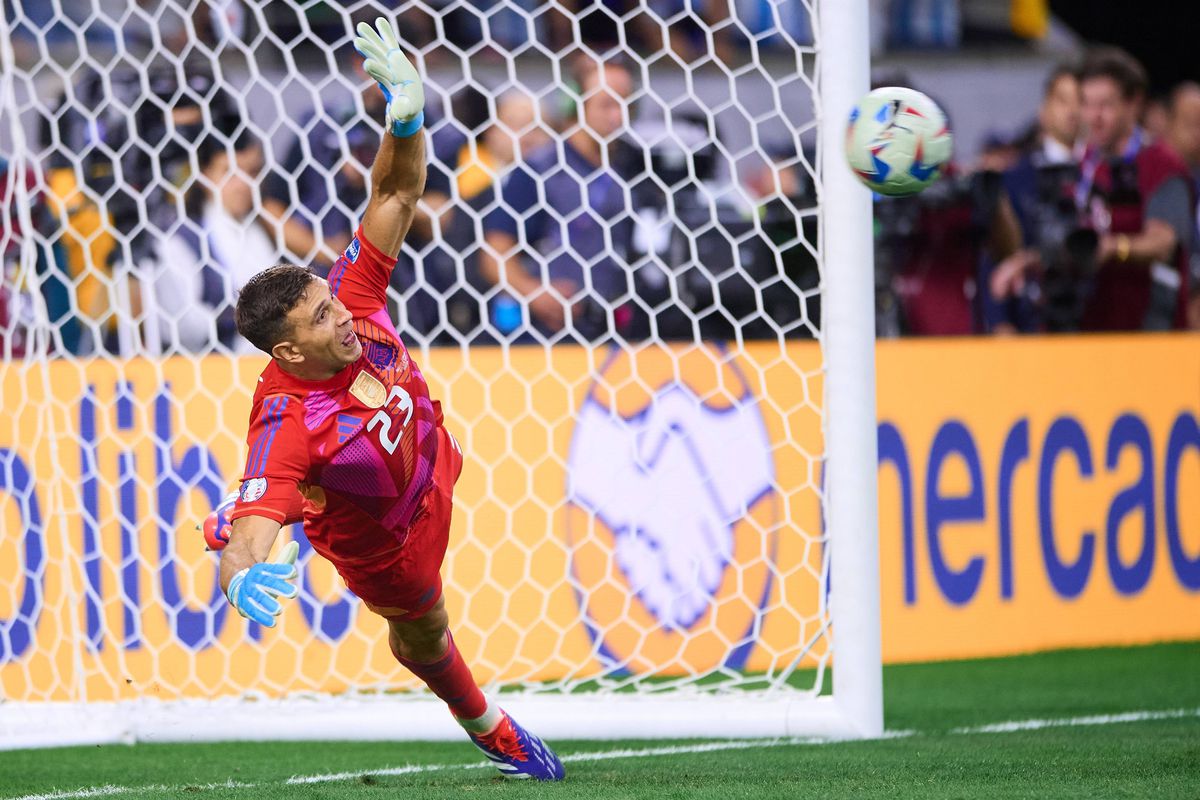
x,y
408,769
98,791
684,749
1072,722
109,791
648,752
600,755
709,747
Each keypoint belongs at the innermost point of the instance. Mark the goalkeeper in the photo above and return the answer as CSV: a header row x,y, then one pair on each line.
x,y
343,434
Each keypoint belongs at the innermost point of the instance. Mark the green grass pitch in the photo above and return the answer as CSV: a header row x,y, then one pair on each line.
x,y
1119,722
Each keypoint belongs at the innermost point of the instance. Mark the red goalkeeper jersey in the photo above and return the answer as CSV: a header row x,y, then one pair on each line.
x,y
356,451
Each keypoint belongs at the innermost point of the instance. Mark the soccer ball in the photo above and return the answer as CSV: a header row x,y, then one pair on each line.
x,y
897,141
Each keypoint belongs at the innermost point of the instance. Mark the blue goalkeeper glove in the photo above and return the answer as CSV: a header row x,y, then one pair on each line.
x,y
253,590
386,63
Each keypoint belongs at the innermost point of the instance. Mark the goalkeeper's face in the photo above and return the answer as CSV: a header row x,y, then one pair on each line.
x,y
323,330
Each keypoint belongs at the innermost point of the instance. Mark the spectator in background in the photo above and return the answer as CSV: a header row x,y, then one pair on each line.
x,y
1118,257
1138,199
571,212
516,133
473,149
1183,137
1059,123
113,200
931,245
1037,187
316,218
215,249
80,171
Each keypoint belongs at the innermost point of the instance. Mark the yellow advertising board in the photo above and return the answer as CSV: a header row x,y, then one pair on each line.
x,y
1034,493
1038,493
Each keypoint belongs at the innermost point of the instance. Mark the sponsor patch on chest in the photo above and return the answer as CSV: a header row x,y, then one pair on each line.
x,y
368,390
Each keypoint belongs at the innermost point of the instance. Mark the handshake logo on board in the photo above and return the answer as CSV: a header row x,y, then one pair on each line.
x,y
664,492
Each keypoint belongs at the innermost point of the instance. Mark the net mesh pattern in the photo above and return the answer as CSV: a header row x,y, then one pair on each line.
x,y
613,285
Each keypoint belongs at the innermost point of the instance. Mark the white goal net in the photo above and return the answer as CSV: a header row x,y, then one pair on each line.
x,y
617,285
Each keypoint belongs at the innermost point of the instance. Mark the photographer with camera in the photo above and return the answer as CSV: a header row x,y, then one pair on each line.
x,y
1139,201
1040,189
929,247
1111,236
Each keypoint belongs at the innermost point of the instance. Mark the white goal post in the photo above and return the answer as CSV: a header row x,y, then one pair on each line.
x,y
667,522
852,505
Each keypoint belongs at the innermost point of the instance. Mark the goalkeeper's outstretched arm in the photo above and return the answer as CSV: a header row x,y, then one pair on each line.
x,y
397,181
398,175
253,584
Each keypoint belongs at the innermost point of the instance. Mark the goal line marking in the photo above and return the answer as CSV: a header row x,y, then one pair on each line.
x,y
1073,722
645,752
598,755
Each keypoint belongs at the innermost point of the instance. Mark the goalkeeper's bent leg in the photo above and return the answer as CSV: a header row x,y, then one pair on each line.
x,y
516,752
447,675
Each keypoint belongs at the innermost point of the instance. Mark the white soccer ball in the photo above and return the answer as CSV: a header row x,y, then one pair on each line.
x,y
898,141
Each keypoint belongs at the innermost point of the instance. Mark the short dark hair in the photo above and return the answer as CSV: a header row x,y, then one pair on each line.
x,y
207,149
586,68
1060,71
264,303
1119,67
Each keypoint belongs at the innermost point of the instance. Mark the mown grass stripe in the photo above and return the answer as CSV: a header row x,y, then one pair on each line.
x,y
1013,726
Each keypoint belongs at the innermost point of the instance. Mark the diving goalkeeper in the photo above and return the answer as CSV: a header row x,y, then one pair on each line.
x,y
343,434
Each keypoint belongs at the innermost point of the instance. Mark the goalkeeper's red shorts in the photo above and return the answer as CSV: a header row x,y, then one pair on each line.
x,y
407,583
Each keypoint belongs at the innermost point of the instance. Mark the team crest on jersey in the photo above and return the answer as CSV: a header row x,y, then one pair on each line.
x,y
381,356
353,250
368,390
253,489
671,513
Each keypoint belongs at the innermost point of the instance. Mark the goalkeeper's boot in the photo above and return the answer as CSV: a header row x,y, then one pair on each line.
x,y
517,753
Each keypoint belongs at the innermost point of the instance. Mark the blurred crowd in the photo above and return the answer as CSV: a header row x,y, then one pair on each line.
x,y
544,217
561,216
1087,221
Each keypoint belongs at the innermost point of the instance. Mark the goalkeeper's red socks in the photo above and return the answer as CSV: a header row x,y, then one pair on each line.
x,y
450,679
